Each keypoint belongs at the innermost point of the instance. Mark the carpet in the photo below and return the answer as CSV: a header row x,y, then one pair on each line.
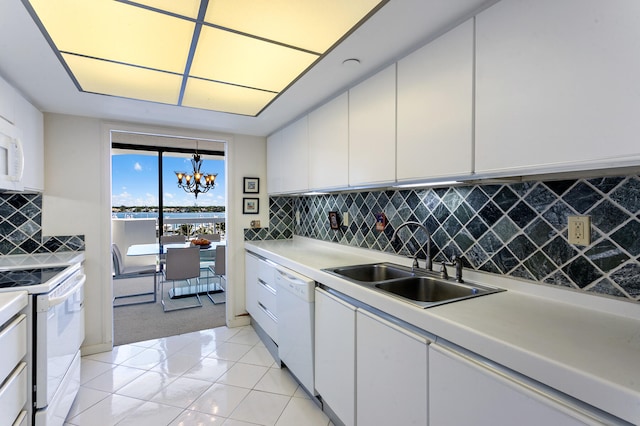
x,y
148,321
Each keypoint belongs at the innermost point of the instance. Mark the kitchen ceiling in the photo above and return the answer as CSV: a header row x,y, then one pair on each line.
x,y
195,53
397,28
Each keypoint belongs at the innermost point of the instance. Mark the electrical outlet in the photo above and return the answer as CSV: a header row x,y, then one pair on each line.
x,y
579,230
345,218
298,217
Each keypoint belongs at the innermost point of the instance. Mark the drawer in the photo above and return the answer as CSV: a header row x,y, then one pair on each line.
x,y
13,345
267,321
13,395
266,271
267,296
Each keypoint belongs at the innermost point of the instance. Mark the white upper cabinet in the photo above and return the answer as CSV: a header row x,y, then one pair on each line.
x,y
274,161
372,130
7,101
288,159
435,108
329,144
29,124
557,86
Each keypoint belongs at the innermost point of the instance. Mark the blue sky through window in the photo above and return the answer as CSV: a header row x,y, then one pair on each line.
x,y
134,180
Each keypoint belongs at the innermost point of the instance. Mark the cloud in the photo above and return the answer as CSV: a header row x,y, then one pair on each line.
x,y
137,167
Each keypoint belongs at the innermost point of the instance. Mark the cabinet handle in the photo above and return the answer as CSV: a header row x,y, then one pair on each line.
x,y
267,286
268,312
10,326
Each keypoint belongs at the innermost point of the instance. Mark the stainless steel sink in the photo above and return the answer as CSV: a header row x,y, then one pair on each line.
x,y
372,273
419,288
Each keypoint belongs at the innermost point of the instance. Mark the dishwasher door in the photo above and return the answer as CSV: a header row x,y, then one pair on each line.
x,y
295,306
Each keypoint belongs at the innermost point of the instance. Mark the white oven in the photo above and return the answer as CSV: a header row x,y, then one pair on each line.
x,y
55,329
59,332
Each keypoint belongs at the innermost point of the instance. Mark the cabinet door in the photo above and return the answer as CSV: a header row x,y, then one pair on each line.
x,y
275,161
435,105
556,86
462,392
30,129
391,373
372,130
335,354
294,157
7,101
329,144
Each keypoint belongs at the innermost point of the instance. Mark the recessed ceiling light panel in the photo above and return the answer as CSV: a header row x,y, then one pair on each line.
x,y
240,53
245,61
225,97
314,25
108,78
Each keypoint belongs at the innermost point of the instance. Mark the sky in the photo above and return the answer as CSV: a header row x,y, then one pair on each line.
x,y
134,181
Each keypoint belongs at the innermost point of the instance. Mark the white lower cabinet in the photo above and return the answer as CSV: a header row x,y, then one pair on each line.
x,y
335,353
369,371
465,391
391,373
261,294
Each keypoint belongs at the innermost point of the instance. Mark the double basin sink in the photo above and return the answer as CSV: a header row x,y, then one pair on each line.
x,y
420,288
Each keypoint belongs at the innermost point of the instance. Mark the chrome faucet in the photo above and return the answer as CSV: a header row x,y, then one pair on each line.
x,y
428,264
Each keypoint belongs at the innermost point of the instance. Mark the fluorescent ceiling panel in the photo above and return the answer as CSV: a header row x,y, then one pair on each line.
x,y
188,8
115,31
103,77
246,61
210,95
307,24
248,50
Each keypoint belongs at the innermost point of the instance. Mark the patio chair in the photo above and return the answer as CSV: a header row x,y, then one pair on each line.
x,y
219,271
172,239
211,237
121,271
182,265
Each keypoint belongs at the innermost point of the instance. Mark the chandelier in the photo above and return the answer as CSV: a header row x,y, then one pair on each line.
x,y
197,182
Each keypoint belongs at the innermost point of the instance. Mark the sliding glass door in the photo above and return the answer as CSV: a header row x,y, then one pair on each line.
x,y
145,186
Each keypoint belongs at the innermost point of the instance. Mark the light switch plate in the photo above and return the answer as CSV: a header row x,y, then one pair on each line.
x,y
579,230
345,218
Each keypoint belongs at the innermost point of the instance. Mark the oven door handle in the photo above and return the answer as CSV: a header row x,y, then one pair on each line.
x,y
53,301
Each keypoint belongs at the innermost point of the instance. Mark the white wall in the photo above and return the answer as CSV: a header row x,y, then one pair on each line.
x,y
73,204
77,200
247,158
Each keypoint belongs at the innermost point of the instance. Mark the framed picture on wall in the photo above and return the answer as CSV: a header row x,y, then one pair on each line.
x,y
251,185
250,205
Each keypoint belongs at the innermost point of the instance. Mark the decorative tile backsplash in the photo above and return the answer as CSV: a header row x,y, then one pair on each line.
x,y
518,229
280,222
21,230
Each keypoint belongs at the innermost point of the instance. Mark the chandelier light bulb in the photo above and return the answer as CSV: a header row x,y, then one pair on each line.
x,y
196,185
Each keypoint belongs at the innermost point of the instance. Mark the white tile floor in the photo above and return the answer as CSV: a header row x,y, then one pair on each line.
x,y
224,376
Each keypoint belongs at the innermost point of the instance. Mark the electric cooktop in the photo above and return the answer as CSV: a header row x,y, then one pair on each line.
x,y
28,277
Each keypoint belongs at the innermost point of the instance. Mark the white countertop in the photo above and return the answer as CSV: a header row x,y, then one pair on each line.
x,y
10,304
40,260
585,346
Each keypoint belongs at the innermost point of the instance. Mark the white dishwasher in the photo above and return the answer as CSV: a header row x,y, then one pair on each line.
x,y
295,304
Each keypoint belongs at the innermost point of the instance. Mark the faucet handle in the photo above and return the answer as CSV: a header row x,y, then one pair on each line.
x,y
415,264
443,271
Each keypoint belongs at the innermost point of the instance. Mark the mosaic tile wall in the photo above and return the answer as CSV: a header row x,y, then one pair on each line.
x,y
21,230
280,222
518,230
